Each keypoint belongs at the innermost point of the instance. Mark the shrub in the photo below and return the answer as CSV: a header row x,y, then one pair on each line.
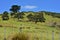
x,y
5,15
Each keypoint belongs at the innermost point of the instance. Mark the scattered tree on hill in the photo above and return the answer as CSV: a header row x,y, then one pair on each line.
x,y
15,12
30,17
36,18
39,17
5,15
15,8
12,14
20,15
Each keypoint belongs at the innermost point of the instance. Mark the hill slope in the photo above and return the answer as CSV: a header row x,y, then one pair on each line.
x,y
12,26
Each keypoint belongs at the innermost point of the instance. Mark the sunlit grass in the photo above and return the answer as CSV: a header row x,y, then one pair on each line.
x,y
39,30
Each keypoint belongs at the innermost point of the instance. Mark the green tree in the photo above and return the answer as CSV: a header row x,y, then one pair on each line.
x,y
30,17
5,15
15,8
12,14
39,17
20,15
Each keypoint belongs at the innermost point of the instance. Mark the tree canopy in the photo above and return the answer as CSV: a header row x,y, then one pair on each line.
x,y
15,8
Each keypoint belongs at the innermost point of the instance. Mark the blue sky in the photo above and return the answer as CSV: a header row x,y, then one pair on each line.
x,y
31,5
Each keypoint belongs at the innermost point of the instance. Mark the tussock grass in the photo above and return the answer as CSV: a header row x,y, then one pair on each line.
x,y
18,36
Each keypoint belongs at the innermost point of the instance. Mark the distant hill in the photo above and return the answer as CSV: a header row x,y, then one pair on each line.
x,y
54,14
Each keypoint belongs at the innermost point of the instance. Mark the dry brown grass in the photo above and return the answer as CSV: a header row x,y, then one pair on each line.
x,y
19,36
8,25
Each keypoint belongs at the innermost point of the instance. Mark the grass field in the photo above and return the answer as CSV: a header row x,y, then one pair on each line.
x,y
39,31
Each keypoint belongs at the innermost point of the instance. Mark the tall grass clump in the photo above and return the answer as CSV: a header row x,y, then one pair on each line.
x,y
19,36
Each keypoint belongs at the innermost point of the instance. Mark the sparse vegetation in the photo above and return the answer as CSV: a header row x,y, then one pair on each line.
x,y
41,19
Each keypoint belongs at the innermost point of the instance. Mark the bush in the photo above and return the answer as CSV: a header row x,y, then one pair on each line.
x,y
5,15
5,18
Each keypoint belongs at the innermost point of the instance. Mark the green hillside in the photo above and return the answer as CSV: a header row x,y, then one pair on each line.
x,y
44,29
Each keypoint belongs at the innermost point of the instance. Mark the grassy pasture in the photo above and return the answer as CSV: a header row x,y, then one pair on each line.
x,y
39,31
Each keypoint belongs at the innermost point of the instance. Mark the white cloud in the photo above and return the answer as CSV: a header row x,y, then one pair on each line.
x,y
29,7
